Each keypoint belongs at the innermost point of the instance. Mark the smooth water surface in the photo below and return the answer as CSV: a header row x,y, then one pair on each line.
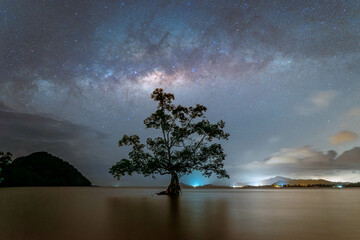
x,y
136,213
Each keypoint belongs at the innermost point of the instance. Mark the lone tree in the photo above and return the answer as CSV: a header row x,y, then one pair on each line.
x,y
184,145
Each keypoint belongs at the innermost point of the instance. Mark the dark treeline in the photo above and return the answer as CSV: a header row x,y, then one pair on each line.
x,y
353,184
309,185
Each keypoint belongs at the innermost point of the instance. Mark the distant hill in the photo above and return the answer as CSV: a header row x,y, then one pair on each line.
x,y
210,186
42,169
277,179
292,182
183,185
213,186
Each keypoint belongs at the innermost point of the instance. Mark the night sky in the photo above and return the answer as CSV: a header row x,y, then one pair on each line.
x,y
284,76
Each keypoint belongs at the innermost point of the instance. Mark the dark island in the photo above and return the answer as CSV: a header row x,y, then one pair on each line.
x,y
41,169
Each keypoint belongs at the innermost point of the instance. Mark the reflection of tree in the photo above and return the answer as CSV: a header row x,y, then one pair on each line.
x,y
136,218
215,219
175,223
174,218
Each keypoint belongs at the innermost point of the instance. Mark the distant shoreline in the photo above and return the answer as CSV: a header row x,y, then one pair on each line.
x,y
188,188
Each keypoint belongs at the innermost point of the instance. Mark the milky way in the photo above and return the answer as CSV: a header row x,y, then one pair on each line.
x,y
284,76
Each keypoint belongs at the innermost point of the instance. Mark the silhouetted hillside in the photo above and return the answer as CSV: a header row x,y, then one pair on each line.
x,y
42,169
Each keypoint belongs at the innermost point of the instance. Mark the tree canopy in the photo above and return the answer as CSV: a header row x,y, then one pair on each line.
x,y
184,144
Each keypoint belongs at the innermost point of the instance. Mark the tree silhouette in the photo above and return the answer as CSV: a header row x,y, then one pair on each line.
x,y
183,147
5,160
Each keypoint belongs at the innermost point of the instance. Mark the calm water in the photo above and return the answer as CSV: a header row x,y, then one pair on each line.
x,y
120,213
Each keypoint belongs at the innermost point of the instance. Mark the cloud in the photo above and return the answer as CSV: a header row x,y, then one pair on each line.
x,y
351,157
323,98
299,155
3,107
354,112
24,133
306,161
318,101
273,140
343,137
351,119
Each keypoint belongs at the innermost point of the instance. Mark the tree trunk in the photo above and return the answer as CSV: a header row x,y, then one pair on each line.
x,y
174,186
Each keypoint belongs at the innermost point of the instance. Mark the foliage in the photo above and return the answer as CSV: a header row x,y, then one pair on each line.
x,y
5,160
184,144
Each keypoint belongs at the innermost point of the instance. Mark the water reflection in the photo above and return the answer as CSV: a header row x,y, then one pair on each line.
x,y
167,217
174,217
106,213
